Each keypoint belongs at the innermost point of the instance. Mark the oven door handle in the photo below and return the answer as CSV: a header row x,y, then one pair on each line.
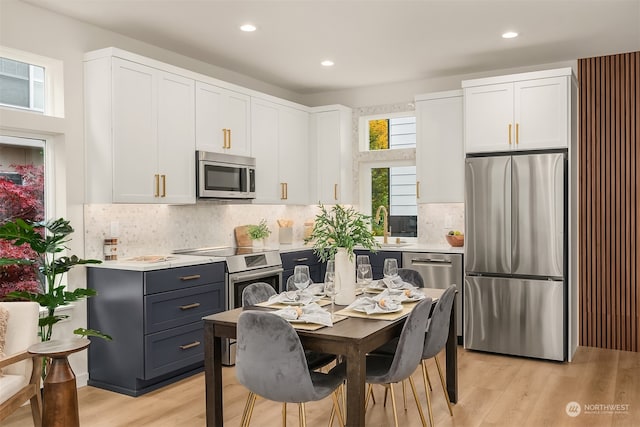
x,y
241,277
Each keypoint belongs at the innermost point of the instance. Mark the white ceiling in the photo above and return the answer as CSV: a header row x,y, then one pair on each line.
x,y
372,42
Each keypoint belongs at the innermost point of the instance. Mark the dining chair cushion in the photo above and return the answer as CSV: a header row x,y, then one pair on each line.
x,y
256,293
411,276
438,331
382,369
270,361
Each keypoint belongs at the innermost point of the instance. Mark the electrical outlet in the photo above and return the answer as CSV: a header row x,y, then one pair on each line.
x,y
448,221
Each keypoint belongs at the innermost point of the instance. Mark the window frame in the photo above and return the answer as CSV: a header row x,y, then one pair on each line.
x,y
363,125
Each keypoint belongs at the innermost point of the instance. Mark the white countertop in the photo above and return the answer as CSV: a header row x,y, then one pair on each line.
x,y
172,261
403,247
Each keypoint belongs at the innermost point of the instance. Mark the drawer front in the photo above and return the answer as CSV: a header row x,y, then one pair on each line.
x,y
306,257
173,349
177,308
173,279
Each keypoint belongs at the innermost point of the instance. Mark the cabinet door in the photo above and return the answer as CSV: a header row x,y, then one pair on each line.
x,y
293,155
176,139
440,151
328,149
541,113
135,132
237,120
209,118
264,127
488,114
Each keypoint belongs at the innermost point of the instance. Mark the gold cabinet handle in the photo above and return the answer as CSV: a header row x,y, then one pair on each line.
x,y
225,140
189,306
286,190
192,277
229,133
509,133
417,189
335,191
282,191
188,346
164,185
156,178
517,133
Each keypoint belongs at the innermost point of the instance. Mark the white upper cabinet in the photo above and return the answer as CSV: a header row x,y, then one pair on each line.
x,y
439,148
222,120
139,132
518,112
331,155
280,144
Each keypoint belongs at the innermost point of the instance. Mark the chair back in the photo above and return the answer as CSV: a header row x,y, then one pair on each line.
x,y
22,332
292,287
256,293
409,351
270,360
411,276
436,337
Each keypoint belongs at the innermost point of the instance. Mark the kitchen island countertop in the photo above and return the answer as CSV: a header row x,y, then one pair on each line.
x,y
170,261
403,247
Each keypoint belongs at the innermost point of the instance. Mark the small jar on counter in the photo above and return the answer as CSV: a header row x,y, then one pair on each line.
x,y
110,249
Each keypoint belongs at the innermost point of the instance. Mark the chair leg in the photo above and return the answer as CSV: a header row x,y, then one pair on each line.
x,y
284,414
36,408
369,393
426,391
415,396
336,408
404,396
245,412
250,410
428,379
393,404
444,386
384,402
303,419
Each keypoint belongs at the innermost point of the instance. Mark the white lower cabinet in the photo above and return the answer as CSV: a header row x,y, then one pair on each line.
x,y
139,133
281,147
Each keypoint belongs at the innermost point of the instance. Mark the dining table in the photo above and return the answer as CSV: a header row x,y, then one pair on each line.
x,y
352,338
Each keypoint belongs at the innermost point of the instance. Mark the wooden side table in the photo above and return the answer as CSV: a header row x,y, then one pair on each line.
x,y
60,403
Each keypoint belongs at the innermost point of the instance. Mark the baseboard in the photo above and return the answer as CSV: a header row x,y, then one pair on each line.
x,y
82,379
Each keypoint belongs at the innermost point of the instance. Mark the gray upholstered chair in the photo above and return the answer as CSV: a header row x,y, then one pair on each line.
x,y
386,370
256,293
435,340
411,276
271,363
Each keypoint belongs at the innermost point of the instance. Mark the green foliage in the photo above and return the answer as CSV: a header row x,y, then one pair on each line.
x,y
47,239
258,232
379,194
379,134
340,228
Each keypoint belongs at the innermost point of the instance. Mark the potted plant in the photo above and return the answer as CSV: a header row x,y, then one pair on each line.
x,y
47,239
258,232
335,234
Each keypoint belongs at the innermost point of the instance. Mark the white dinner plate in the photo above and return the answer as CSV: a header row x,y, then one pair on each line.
x,y
395,310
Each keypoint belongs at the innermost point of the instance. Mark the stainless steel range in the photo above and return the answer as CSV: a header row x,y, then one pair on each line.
x,y
244,265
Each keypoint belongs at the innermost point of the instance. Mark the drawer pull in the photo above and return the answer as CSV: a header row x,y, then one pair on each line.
x,y
188,346
189,306
192,277
302,259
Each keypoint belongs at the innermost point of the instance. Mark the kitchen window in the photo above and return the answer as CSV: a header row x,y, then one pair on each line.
x,y
388,132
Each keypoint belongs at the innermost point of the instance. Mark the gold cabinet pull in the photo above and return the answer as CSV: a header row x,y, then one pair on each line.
x,y
517,133
286,191
189,306
282,191
335,191
229,139
156,178
225,141
188,346
164,185
509,133
417,189
192,277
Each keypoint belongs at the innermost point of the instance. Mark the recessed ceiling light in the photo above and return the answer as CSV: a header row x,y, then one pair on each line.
x,y
509,35
248,28
327,63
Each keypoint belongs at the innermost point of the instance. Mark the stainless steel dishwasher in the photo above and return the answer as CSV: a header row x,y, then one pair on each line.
x,y
439,271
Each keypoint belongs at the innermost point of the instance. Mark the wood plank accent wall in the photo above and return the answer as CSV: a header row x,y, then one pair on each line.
x,y
609,179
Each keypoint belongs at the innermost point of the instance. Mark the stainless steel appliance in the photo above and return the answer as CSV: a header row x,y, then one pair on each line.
x,y
243,267
439,271
225,176
515,254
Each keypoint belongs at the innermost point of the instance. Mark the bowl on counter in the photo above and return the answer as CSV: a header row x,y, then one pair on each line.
x,y
455,241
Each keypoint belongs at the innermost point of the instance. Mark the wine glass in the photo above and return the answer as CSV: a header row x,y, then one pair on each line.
x,y
361,261
390,268
301,277
331,288
365,274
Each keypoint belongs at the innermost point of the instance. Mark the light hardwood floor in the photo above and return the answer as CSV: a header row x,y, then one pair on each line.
x,y
494,391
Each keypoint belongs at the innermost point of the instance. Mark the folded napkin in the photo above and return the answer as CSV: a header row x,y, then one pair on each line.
x,y
315,289
372,305
292,297
311,313
401,295
396,282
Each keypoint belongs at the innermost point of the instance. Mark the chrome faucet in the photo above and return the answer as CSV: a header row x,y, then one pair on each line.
x,y
385,225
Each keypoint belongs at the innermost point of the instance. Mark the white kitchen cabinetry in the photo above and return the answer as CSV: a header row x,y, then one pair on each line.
x,y
439,148
281,147
526,111
331,154
139,132
222,120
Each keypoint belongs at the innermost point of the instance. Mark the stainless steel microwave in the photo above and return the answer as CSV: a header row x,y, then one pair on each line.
x,y
225,176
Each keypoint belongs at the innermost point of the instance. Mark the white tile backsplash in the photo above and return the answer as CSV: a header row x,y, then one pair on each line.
x,y
436,219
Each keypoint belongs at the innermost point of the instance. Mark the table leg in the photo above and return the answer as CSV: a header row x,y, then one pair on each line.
x,y
452,358
356,374
213,376
60,403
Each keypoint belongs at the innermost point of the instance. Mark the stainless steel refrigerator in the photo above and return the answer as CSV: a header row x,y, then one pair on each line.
x,y
515,254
